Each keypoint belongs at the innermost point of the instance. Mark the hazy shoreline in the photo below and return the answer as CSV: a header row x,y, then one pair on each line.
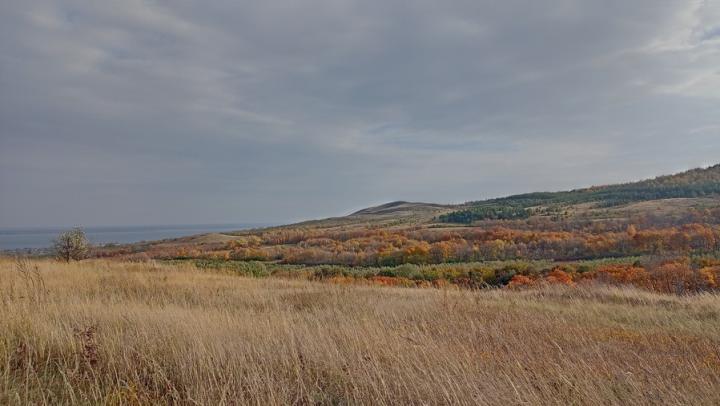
x,y
22,238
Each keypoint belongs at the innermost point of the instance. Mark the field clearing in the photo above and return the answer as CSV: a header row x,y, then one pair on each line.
x,y
137,333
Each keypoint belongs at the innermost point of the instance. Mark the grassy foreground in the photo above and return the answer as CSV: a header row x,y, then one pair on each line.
x,y
122,333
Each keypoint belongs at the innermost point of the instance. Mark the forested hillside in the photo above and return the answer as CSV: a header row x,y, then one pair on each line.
x,y
690,184
662,234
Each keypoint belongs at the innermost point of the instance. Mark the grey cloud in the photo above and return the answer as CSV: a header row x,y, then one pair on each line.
x,y
184,111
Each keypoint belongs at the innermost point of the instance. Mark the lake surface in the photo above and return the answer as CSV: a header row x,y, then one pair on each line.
x,y
19,238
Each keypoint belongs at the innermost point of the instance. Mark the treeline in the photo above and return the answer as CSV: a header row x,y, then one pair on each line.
x,y
691,184
485,213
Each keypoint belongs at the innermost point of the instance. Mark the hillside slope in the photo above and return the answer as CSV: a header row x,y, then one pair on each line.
x,y
400,208
695,183
677,214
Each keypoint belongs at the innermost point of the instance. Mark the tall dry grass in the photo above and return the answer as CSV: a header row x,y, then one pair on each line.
x,y
121,333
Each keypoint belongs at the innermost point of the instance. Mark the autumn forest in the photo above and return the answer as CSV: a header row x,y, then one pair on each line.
x,y
661,234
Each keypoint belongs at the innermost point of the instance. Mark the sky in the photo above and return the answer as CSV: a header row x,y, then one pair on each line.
x,y
131,112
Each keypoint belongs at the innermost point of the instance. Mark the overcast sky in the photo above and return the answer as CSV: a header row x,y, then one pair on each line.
x,y
179,111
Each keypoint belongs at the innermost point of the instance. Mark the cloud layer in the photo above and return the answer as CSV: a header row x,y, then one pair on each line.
x,y
131,112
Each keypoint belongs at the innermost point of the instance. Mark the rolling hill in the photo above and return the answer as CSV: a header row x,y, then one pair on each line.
x,y
695,183
668,215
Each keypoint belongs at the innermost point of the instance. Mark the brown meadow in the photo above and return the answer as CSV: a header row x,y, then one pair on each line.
x,y
104,332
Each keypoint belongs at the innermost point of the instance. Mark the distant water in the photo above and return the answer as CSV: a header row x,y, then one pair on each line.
x,y
20,238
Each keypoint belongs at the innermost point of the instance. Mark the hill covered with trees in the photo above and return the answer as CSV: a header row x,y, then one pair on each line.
x,y
662,234
691,184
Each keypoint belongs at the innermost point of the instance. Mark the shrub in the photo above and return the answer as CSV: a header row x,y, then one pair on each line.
x,y
329,272
558,276
254,268
71,245
520,281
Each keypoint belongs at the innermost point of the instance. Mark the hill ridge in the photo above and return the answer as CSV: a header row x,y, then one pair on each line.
x,y
397,205
698,182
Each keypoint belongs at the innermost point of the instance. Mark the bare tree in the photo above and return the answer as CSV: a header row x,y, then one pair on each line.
x,y
71,245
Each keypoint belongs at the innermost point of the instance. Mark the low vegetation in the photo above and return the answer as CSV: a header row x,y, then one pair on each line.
x,y
665,275
110,332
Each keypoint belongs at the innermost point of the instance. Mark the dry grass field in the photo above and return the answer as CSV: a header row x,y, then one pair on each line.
x,y
121,333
